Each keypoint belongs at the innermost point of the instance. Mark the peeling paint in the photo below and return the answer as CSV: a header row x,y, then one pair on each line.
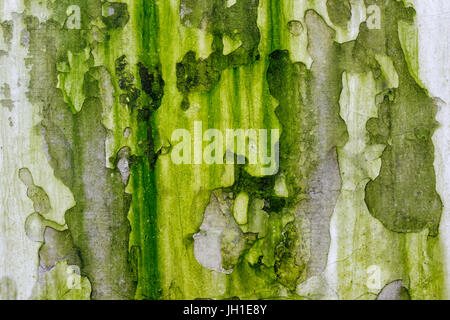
x,y
91,92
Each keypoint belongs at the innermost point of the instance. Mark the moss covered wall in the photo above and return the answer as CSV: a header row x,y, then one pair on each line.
x,y
91,93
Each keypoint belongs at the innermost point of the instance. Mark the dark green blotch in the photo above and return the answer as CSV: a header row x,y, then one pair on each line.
x,y
7,27
286,267
255,187
200,75
237,22
196,75
289,84
152,83
278,241
119,15
126,78
340,12
403,197
131,94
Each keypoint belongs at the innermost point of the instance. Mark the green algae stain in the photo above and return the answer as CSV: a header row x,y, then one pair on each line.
x,y
7,30
339,12
143,216
399,154
282,238
237,23
288,267
76,144
409,40
297,120
404,196
115,15
71,79
143,239
221,105
278,244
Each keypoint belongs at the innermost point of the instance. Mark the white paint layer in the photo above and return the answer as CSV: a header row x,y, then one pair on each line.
x,y
433,19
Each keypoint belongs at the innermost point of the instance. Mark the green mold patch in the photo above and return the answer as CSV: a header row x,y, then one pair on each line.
x,y
115,15
152,83
288,267
386,168
297,119
126,83
237,22
277,249
188,188
71,79
339,12
404,197
113,83
227,24
7,31
312,131
271,224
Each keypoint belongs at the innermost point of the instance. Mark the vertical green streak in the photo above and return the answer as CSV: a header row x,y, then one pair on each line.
x,y
274,13
143,213
238,98
147,23
143,241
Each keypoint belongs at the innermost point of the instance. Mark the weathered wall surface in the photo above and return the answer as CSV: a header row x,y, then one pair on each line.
x,y
354,92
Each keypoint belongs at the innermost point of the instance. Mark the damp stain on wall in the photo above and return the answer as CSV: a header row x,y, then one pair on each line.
x,y
352,211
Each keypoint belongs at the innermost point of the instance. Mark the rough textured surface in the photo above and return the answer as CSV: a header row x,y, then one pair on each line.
x,y
355,208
